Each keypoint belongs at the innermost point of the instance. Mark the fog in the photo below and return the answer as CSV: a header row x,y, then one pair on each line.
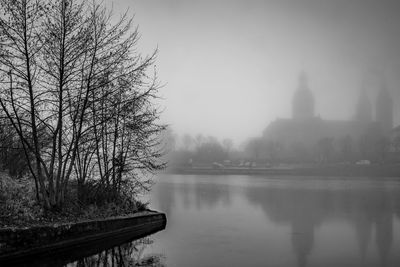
x,y
229,68
227,133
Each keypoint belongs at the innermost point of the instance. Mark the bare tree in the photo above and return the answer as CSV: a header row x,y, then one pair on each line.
x,y
122,137
228,144
76,92
187,141
199,140
19,46
254,147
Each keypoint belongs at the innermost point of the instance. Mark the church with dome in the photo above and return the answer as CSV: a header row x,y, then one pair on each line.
x,y
311,137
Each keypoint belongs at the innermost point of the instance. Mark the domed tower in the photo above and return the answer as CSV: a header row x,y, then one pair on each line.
x,y
303,100
364,107
384,109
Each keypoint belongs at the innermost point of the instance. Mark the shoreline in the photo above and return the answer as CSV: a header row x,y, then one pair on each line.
x,y
392,170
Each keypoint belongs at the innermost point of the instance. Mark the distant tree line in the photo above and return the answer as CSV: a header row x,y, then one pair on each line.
x,y
200,149
371,146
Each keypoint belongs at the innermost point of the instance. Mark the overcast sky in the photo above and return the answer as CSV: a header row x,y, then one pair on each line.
x,y
231,67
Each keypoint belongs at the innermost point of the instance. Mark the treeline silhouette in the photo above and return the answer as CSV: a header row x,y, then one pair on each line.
x,y
187,150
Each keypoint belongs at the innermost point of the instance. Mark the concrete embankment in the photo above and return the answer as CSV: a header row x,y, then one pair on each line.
x,y
75,240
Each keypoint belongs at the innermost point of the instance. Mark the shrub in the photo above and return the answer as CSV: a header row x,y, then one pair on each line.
x,y
17,201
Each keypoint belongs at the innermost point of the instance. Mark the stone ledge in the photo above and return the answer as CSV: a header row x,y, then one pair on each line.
x,y
46,240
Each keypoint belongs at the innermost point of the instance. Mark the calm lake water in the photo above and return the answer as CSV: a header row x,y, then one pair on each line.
x,y
281,221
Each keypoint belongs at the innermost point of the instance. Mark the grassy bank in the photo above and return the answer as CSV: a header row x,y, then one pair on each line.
x,y
19,207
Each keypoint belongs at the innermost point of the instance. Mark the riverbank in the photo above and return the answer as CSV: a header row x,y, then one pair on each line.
x,y
19,207
345,170
19,244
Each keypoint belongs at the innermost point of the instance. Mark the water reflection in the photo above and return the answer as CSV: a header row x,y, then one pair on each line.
x,y
306,208
191,193
129,254
335,222
302,210
207,195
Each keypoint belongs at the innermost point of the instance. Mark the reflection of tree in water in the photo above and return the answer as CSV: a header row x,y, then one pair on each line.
x,y
192,195
396,195
166,197
384,236
305,208
363,234
198,195
384,227
128,254
184,191
209,195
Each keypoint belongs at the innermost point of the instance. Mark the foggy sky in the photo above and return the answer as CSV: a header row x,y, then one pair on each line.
x,y
231,67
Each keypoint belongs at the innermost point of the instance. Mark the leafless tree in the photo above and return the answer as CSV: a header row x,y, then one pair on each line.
x,y
187,141
228,144
76,92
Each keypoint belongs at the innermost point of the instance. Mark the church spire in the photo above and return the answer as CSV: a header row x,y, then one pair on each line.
x,y
384,108
364,107
303,80
303,100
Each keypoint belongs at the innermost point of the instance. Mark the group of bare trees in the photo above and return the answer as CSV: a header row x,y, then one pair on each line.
x,y
199,149
78,95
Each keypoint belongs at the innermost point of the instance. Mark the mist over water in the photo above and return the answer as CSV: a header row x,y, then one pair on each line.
x,y
283,221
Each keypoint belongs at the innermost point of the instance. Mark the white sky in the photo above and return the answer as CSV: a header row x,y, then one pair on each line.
x,y
231,67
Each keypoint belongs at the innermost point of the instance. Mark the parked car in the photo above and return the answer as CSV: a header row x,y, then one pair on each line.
x,y
217,165
363,162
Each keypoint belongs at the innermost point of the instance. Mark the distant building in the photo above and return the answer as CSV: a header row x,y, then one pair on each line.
x,y
303,100
395,141
308,136
384,109
364,108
